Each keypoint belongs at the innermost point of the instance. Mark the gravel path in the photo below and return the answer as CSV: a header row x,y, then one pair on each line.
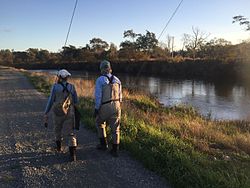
x,y
27,155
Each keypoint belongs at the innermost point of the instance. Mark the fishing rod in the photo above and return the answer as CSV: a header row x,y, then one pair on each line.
x,y
72,17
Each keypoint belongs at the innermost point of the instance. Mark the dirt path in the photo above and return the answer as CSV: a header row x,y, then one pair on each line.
x,y
27,157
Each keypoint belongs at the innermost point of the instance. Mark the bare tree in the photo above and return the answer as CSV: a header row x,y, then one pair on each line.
x,y
195,41
172,47
170,44
185,40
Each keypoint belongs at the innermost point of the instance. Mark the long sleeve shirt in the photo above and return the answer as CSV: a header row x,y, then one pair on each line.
x,y
100,82
59,88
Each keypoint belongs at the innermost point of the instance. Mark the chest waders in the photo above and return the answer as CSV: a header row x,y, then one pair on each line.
x,y
65,120
110,111
110,103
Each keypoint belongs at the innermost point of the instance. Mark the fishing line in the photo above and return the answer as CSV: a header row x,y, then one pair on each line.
x,y
176,9
72,17
170,19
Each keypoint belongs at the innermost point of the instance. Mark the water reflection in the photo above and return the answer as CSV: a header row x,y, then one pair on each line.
x,y
221,100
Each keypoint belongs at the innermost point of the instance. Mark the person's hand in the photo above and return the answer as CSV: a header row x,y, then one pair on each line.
x,y
95,113
46,120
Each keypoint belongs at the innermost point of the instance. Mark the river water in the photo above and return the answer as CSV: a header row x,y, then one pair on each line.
x,y
218,100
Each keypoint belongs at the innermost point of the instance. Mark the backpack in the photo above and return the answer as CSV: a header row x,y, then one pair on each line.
x,y
62,108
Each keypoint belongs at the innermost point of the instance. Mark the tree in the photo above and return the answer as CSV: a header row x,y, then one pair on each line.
x,y
128,47
147,42
195,42
160,53
87,54
242,21
32,54
43,55
130,34
170,44
215,49
127,50
141,46
98,45
20,57
185,40
69,53
6,56
112,52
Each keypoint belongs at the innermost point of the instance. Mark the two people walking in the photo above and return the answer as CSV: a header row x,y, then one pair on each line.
x,y
63,101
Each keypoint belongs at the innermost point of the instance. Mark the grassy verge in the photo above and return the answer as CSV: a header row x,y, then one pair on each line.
x,y
178,143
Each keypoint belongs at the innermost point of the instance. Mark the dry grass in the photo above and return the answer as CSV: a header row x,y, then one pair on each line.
x,y
177,141
183,122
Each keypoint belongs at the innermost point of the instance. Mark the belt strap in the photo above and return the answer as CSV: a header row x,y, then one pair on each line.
x,y
110,101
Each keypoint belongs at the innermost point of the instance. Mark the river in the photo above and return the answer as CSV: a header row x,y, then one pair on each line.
x,y
217,100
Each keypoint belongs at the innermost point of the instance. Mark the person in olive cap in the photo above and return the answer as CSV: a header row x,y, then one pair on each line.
x,y
108,98
62,100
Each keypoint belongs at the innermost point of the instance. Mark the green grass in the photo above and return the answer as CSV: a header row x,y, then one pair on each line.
x,y
40,83
7,178
178,143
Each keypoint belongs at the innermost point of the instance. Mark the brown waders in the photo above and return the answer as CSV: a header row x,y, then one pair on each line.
x,y
64,127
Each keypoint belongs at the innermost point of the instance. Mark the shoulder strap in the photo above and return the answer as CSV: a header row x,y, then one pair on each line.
x,y
110,79
65,88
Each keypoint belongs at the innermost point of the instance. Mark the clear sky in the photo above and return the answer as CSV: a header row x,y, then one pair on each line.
x,y
43,24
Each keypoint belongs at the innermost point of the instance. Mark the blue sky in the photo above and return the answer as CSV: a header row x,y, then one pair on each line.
x,y
43,24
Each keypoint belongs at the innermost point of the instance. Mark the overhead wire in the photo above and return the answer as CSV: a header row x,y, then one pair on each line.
x,y
72,17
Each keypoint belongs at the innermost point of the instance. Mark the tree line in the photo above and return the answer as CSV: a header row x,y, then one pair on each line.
x,y
138,47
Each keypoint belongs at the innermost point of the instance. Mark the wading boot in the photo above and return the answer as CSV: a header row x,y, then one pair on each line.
x,y
103,144
114,150
72,152
58,145
72,147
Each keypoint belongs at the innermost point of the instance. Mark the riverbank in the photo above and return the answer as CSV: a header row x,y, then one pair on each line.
x,y
178,143
208,70
27,151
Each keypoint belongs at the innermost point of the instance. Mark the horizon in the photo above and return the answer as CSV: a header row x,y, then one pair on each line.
x,y
44,24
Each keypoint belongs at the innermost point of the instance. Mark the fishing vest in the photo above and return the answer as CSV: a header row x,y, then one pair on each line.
x,y
63,102
110,103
